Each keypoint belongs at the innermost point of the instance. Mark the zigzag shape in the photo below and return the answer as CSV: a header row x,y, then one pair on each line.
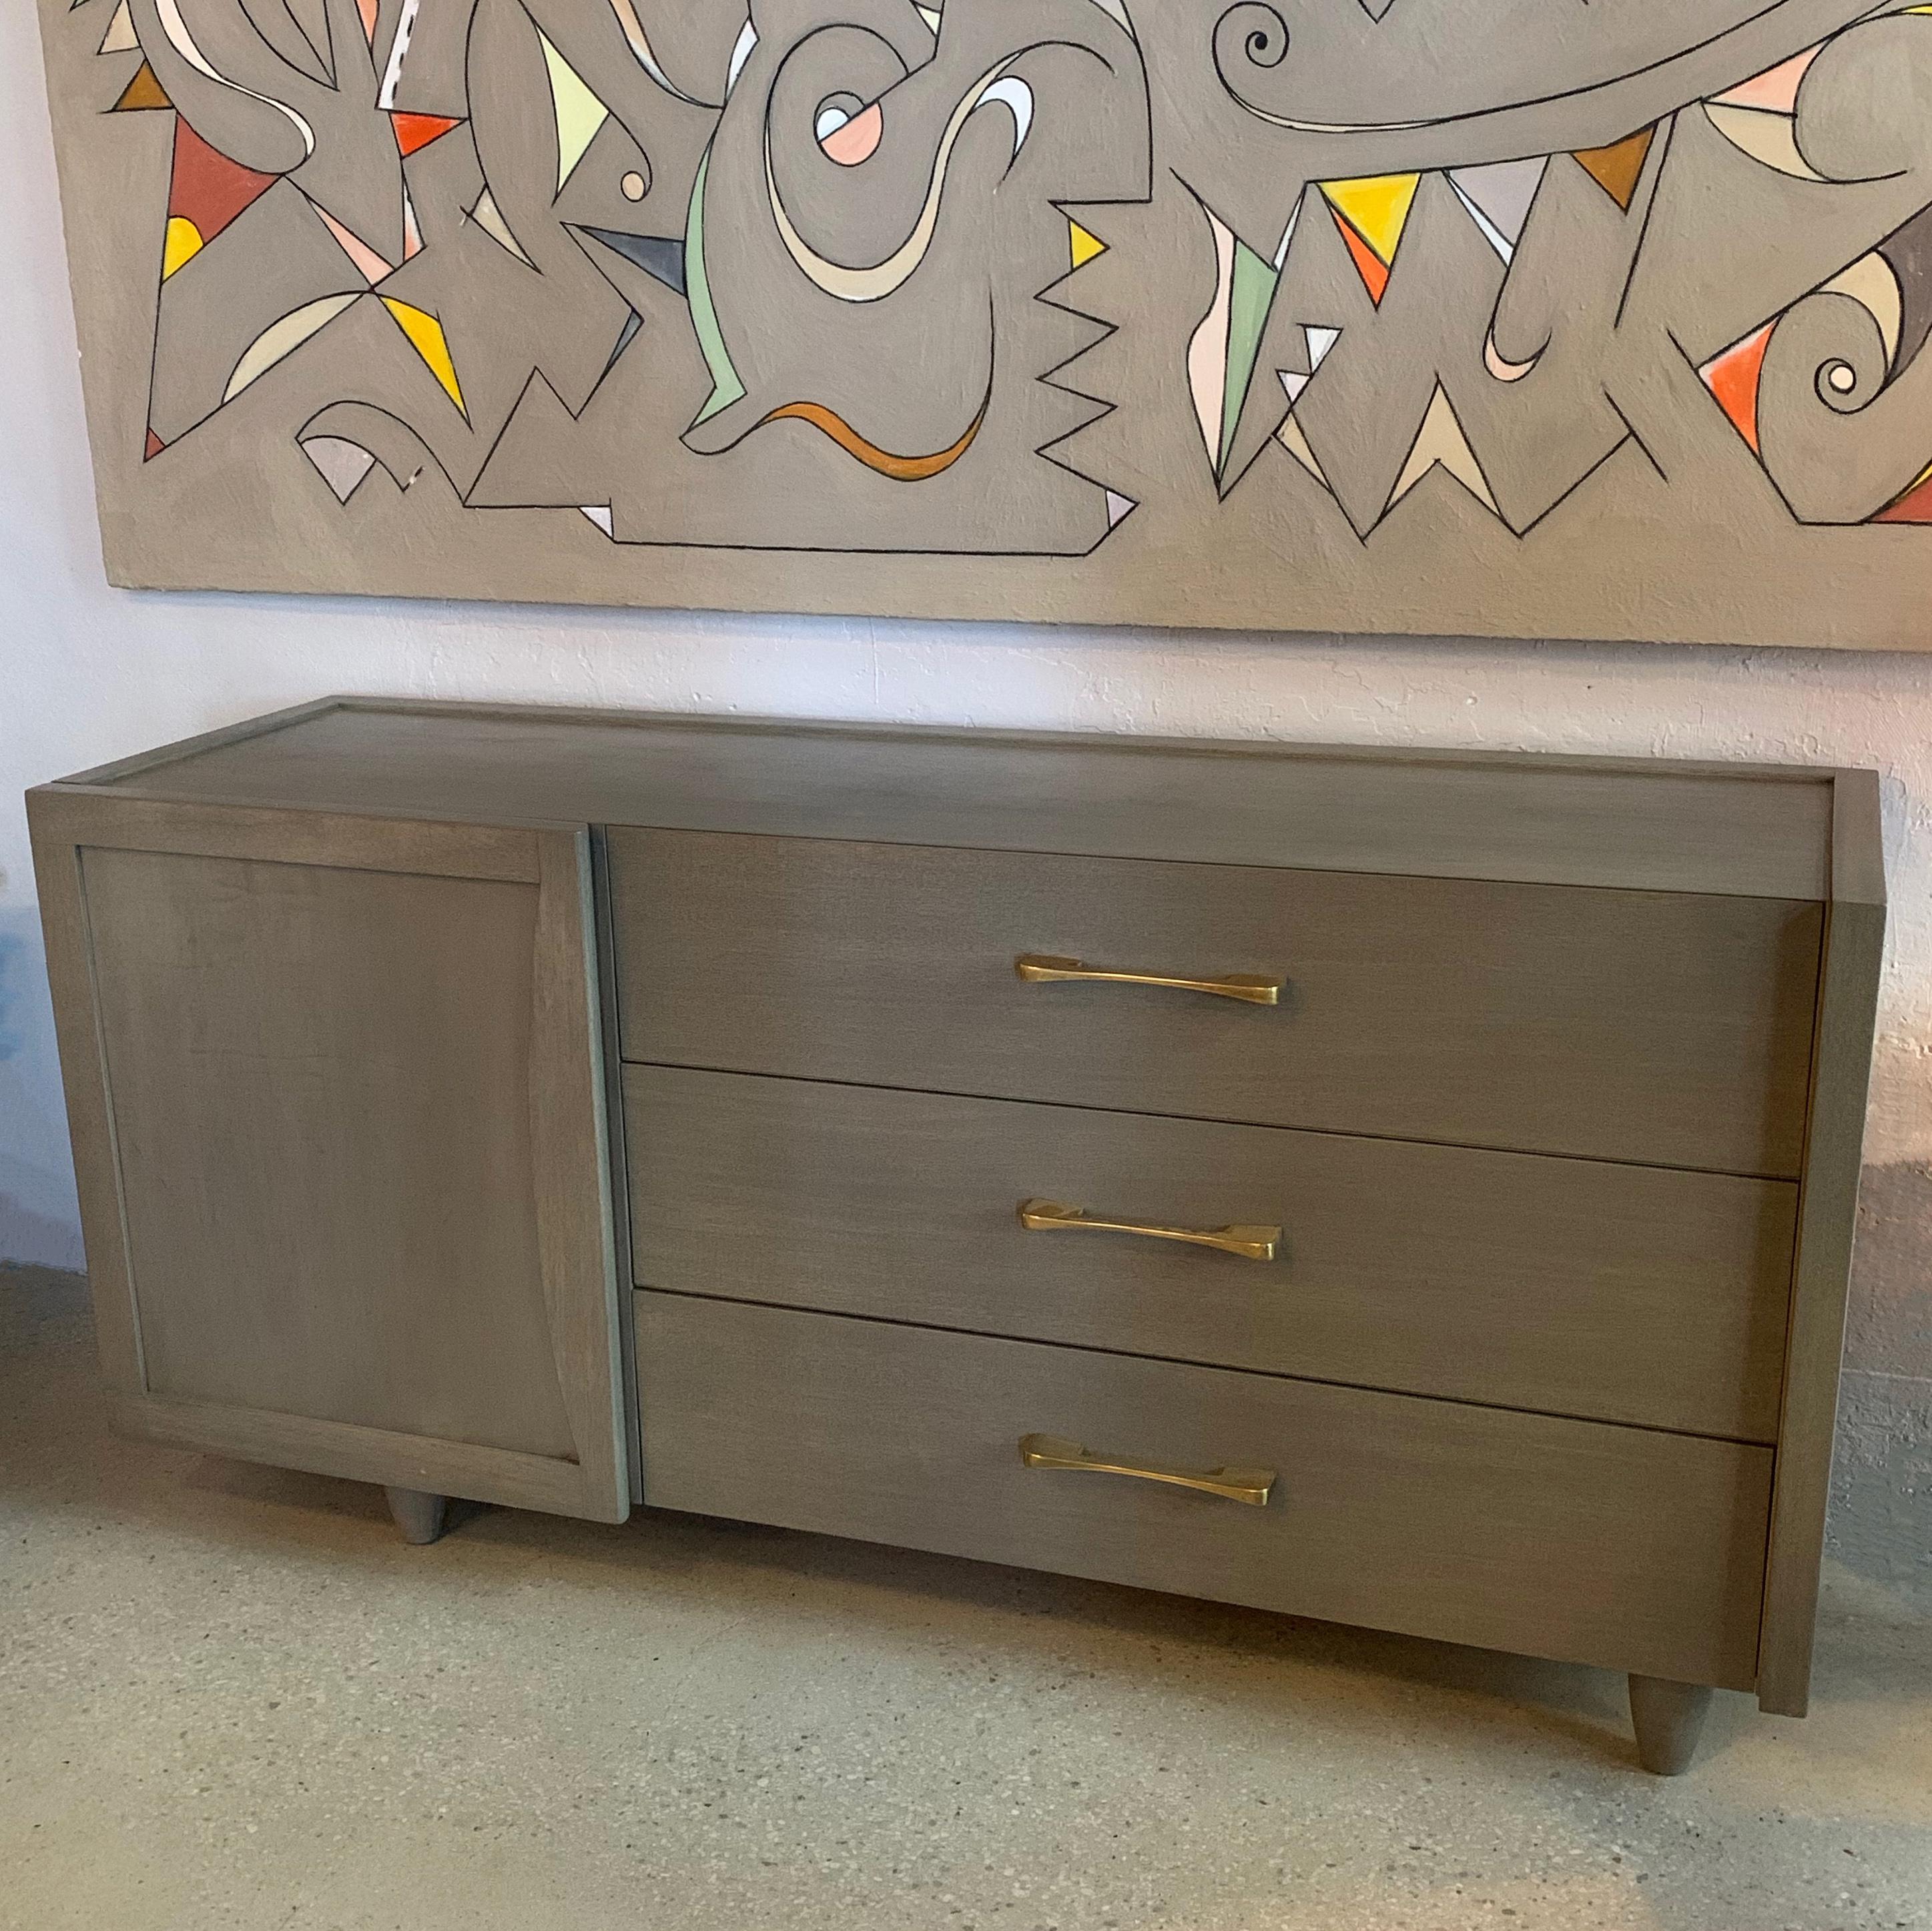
x,y
1086,246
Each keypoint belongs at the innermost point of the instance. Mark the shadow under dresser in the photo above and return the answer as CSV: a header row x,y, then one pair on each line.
x,y
1408,1189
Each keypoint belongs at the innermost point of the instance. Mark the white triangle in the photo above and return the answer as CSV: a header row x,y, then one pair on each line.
x,y
121,37
747,45
1119,509
1491,234
930,15
1294,383
1287,236
600,514
340,463
1320,341
489,218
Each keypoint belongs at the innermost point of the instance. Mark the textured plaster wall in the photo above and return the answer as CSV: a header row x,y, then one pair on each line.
x,y
88,673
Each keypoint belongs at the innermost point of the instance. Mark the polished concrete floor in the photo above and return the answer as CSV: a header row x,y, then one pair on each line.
x,y
231,1697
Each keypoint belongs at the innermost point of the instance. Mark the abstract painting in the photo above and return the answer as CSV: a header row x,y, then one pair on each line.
x,y
1547,318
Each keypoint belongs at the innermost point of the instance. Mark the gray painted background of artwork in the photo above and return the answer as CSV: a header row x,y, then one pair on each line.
x,y
1495,317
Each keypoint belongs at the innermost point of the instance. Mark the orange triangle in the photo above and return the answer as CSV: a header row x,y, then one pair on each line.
x,y
415,131
144,90
155,446
1733,378
1368,265
1617,168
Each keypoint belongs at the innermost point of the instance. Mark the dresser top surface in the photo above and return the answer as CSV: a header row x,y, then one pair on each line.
x,y
1755,831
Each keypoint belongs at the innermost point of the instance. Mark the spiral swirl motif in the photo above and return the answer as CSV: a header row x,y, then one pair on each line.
x,y
1248,36
1840,412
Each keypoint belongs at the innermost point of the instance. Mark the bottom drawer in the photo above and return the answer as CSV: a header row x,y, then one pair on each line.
x,y
1579,1540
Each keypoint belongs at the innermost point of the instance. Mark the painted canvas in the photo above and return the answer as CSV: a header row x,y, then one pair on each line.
x,y
1550,319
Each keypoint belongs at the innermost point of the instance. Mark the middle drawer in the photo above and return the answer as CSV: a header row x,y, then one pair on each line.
x,y
1632,1294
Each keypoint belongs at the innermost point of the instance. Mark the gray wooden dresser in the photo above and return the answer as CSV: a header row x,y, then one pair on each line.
x,y
1410,1189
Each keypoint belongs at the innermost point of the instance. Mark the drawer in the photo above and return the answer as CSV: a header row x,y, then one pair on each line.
x,y
1626,1294
1632,1549
1670,1030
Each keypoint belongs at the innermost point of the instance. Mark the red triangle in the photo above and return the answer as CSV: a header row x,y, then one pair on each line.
x,y
155,446
417,130
1915,506
1368,265
1733,378
207,188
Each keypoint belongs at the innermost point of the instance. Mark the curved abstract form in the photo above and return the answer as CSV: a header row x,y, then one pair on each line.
x,y
998,85
1397,273
184,44
881,462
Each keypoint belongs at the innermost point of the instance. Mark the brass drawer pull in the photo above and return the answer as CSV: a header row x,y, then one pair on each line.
x,y
1251,1485
1050,1216
1036,969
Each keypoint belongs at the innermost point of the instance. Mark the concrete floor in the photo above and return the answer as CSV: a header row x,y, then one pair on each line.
x,y
230,1696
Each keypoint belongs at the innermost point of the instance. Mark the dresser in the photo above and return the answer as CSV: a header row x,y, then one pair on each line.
x,y
1410,1189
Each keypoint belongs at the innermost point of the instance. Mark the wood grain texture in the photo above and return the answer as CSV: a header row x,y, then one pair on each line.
x,y
157,756
294,835
1626,1294
1673,1030
386,1457
320,1082
567,1096
1755,831
51,823
337,1123
617,1163
1637,1551
1854,959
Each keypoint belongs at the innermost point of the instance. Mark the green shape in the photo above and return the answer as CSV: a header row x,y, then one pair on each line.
x,y
1253,296
726,387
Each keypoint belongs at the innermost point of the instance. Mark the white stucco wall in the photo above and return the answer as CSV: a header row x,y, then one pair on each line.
x,y
88,673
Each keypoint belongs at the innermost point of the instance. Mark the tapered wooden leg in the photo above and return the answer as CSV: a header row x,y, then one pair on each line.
x,y
419,1516
1669,1718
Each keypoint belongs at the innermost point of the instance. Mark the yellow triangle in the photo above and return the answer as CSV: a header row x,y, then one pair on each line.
x,y
1376,206
579,112
1085,246
427,338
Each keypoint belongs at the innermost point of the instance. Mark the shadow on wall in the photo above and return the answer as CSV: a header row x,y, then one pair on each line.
x,y
40,1220
1881,1520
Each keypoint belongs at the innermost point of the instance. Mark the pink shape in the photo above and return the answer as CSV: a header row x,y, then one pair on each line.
x,y
1775,89
372,265
858,140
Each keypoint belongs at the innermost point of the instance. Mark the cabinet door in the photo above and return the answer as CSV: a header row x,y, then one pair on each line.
x,y
337,1097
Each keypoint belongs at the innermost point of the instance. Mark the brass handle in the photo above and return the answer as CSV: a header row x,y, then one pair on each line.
x,y
1250,1243
1251,1485
1037,969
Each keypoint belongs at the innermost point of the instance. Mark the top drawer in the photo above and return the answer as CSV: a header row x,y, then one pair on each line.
x,y
1674,1030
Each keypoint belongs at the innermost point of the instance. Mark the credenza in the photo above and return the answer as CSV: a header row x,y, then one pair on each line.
x,y
1415,1189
